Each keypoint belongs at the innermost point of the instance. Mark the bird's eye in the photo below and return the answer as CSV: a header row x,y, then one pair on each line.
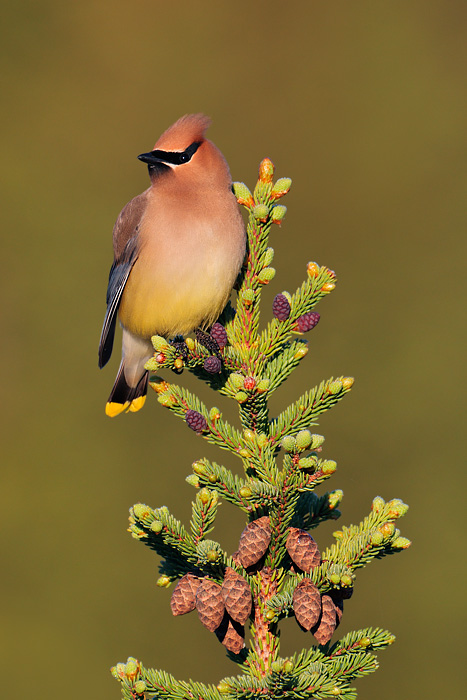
x,y
184,157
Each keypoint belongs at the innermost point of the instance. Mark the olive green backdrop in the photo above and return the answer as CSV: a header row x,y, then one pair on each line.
x,y
363,105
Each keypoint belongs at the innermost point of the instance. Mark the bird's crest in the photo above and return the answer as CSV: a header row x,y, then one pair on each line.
x,y
183,133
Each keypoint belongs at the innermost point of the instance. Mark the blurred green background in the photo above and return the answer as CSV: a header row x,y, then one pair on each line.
x,y
363,105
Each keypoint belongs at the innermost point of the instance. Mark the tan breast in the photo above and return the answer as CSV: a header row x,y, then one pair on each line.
x,y
189,258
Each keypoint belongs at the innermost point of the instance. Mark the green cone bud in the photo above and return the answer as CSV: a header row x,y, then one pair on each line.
x,y
214,413
163,582
398,508
365,642
249,435
303,440
157,526
141,511
262,440
268,256
244,453
266,275
248,295
335,387
193,480
307,462
378,504
288,443
212,556
190,343
288,296
200,468
245,492
159,343
317,441
335,497
329,466
276,666
223,687
262,386
204,496
213,479
377,538
236,380
288,666
131,669
335,579
139,687
152,365
278,213
270,615
346,580
401,543
242,194
261,212
241,397
281,187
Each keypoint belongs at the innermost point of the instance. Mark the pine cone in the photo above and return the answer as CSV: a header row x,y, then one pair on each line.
x,y
307,321
326,626
302,549
210,604
183,596
254,541
212,364
281,307
237,596
307,604
219,334
231,635
195,421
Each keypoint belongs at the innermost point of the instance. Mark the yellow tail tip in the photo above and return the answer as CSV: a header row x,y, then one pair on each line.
x,y
113,409
137,404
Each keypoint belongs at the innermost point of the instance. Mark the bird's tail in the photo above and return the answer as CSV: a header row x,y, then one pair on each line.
x,y
123,397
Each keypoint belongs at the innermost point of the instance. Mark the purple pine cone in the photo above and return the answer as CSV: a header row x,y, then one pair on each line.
x,y
212,364
307,321
219,334
281,307
195,421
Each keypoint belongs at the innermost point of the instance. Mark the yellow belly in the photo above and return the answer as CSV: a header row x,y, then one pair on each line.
x,y
157,303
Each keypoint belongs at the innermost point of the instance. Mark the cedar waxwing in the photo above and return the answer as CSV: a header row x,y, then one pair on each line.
x,y
178,248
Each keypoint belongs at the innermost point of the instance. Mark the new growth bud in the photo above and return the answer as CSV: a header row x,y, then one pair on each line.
x,y
242,194
278,213
266,170
281,187
261,212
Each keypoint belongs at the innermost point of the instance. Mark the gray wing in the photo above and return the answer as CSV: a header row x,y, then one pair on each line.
x,y
125,237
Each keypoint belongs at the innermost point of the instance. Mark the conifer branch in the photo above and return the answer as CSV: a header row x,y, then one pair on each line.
x,y
278,570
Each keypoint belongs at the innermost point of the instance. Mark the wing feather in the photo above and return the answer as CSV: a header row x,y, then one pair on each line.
x,y
125,239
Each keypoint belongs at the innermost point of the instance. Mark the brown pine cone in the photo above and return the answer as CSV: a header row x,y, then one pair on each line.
x,y
231,635
183,596
254,541
237,596
326,626
210,604
302,549
306,604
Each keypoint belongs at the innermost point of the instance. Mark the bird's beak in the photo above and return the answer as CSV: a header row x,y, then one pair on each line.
x,y
150,158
